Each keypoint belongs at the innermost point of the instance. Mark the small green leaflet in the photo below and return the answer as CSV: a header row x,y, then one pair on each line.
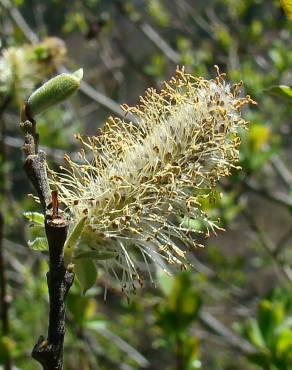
x,y
86,273
35,217
72,240
38,244
94,254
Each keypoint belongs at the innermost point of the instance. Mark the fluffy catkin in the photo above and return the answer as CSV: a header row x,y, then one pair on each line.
x,y
139,184
23,67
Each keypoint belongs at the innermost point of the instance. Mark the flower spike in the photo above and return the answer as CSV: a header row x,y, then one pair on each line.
x,y
140,185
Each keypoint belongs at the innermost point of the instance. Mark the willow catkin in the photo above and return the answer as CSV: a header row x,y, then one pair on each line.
x,y
23,67
139,184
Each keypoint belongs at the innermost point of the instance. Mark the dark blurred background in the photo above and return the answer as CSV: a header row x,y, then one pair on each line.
x,y
232,311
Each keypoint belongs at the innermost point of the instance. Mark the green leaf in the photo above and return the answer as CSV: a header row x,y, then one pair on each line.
x,y
35,217
95,255
86,273
38,244
254,333
191,352
180,306
83,308
287,6
72,240
281,91
96,325
270,315
165,282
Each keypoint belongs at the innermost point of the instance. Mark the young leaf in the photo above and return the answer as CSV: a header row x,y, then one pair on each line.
x,y
72,240
281,91
54,91
35,217
86,273
254,334
38,244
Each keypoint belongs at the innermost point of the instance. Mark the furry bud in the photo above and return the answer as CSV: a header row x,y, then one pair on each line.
x,y
53,92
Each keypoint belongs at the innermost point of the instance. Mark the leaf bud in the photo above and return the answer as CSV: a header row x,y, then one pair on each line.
x,y
52,92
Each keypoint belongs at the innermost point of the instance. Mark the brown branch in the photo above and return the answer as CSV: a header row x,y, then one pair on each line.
x,y
49,352
151,34
269,247
282,242
215,326
278,197
282,171
17,18
159,42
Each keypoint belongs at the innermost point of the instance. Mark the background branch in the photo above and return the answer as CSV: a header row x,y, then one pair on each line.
x,y
269,247
85,88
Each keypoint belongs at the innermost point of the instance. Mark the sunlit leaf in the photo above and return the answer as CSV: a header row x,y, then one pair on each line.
x,y
284,343
287,6
258,136
38,244
35,217
282,91
165,282
254,333
270,315
96,325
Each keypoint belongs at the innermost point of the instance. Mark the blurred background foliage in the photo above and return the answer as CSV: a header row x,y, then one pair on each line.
x,y
234,309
